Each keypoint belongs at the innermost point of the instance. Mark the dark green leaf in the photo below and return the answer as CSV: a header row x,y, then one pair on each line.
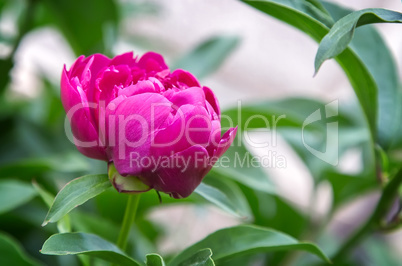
x,y
76,193
225,195
345,187
240,169
276,212
372,49
82,243
341,34
138,244
155,260
30,167
377,251
232,192
63,225
83,23
201,258
14,193
293,13
208,56
11,253
238,240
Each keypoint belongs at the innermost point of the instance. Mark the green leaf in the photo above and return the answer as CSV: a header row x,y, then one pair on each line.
x,y
208,56
341,34
377,251
75,193
240,170
14,193
138,244
225,195
30,167
233,192
201,258
293,13
278,118
83,23
154,260
63,226
244,239
11,253
373,51
88,244
346,187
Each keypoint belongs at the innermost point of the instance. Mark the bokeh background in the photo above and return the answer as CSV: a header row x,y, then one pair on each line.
x,y
260,58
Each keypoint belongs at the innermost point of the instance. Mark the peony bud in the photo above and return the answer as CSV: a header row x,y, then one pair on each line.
x,y
156,129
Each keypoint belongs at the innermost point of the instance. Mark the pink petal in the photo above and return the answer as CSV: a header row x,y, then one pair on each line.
x,y
191,126
141,87
124,59
212,100
112,77
179,174
133,124
184,77
215,137
82,125
226,141
152,62
193,96
223,146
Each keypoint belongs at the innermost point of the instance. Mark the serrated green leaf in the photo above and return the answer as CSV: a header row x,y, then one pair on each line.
x,y
75,193
208,56
11,253
244,239
154,260
88,244
14,193
201,258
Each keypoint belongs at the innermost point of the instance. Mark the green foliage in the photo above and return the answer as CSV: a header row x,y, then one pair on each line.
x,y
368,44
154,260
223,194
11,253
200,258
14,193
76,193
341,33
238,240
83,23
208,56
34,146
88,244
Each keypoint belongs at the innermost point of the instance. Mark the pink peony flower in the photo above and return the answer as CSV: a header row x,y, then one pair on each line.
x,y
158,127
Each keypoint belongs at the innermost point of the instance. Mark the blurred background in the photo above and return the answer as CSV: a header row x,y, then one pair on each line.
x,y
252,57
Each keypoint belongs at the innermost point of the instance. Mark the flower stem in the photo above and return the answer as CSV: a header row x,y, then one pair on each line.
x,y
128,220
388,196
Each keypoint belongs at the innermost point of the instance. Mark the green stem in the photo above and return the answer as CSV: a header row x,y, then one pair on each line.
x,y
128,220
374,222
